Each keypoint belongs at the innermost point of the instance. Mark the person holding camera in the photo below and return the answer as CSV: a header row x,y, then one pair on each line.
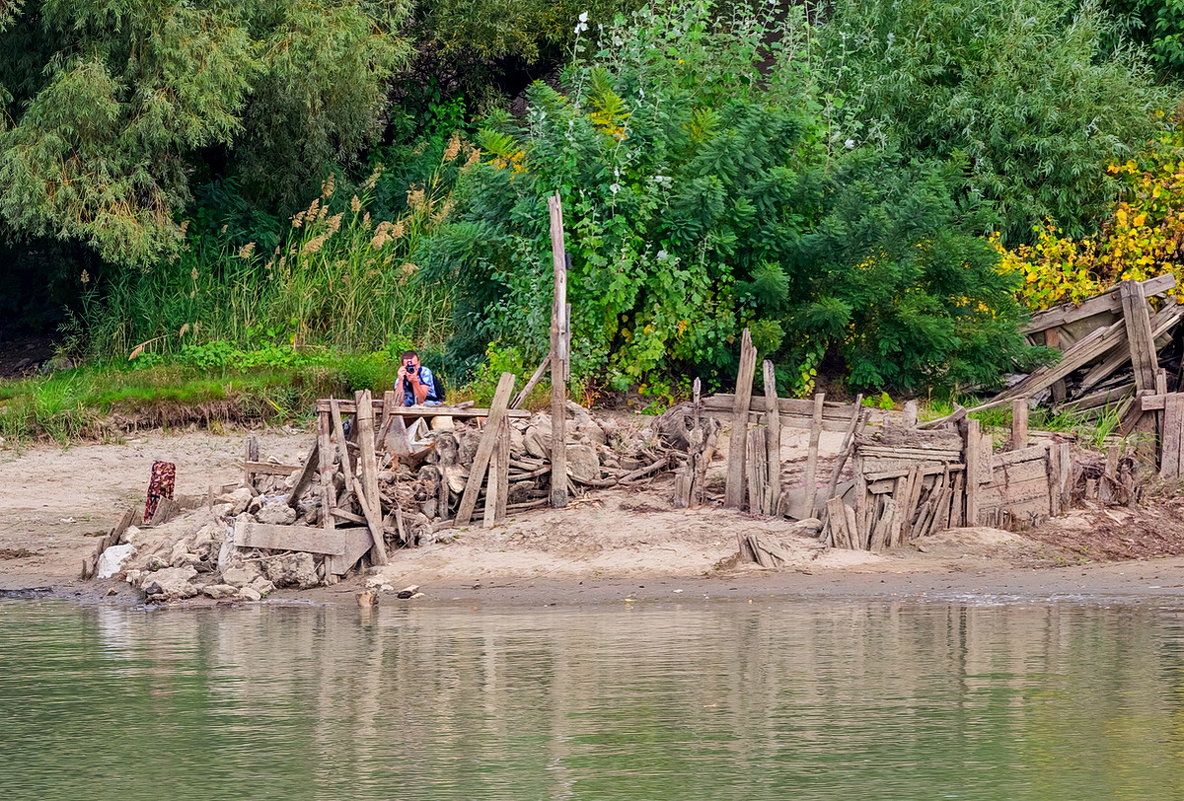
x,y
417,383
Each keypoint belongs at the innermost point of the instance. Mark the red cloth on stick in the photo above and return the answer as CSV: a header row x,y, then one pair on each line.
x,y
164,479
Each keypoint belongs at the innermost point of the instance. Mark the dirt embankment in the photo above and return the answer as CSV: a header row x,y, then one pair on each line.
x,y
609,545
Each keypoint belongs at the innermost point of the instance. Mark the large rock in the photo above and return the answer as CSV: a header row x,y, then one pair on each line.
x,y
292,570
220,591
239,576
238,500
250,594
169,584
278,514
112,560
261,585
583,463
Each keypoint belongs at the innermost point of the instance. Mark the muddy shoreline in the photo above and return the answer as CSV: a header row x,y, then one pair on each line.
x,y
611,547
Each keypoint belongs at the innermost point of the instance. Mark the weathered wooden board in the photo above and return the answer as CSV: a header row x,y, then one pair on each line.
x,y
357,543
288,538
1030,453
1108,301
1137,319
741,404
270,469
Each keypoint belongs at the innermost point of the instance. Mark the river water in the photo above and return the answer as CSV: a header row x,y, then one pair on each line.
x,y
842,699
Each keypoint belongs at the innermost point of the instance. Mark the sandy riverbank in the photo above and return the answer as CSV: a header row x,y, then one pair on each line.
x,y
607,547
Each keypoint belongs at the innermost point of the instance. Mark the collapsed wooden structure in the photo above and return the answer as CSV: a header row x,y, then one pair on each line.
x,y
895,480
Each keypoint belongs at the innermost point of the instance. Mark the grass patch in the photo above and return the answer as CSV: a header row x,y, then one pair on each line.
x,y
89,402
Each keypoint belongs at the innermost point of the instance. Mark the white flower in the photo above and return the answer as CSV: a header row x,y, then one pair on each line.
x,y
663,255
584,16
850,143
614,188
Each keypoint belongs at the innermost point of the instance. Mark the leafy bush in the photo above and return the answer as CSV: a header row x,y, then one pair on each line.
x,y
1029,93
703,193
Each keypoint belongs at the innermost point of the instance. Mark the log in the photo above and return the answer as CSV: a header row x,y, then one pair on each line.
x,y
480,465
248,534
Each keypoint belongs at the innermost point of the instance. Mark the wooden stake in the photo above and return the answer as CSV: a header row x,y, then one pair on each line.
x,y
1173,437
307,470
250,454
812,455
1138,333
772,498
1019,424
342,449
370,499
480,465
973,457
324,457
559,334
757,466
734,490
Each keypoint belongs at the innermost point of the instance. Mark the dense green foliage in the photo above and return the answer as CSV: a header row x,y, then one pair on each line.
x,y
827,176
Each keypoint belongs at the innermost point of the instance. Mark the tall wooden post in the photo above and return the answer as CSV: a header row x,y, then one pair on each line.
x,y
559,358
737,445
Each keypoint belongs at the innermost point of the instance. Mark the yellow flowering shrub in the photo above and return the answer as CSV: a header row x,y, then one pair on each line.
x,y
1141,240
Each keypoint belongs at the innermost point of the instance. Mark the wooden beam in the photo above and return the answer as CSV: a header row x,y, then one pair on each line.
x,y
734,489
356,543
347,467
532,382
1137,319
559,355
973,461
480,465
306,473
1172,448
370,500
1108,301
248,534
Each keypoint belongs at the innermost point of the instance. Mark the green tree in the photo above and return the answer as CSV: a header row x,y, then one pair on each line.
x,y
1031,93
113,109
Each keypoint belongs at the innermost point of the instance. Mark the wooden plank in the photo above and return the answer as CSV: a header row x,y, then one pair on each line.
x,y
1019,424
1030,453
772,498
347,467
973,462
837,519
845,450
854,540
458,411
1094,400
270,469
812,455
307,471
480,465
734,489
558,357
1161,323
248,534
369,498
885,526
1137,320
1172,447
926,468
1161,381
912,496
1081,353
1108,301
325,460
756,465
356,543
498,486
